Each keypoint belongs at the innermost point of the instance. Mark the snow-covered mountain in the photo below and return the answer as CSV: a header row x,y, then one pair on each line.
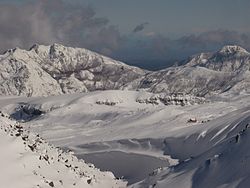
x,y
225,71
56,69
20,74
228,59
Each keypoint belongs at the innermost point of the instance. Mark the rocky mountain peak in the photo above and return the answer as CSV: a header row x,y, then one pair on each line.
x,y
233,49
230,58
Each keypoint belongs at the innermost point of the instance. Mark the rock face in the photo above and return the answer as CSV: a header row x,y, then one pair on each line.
x,y
174,99
56,69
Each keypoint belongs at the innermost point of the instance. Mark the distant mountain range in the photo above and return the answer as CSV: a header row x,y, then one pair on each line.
x,y
204,74
56,69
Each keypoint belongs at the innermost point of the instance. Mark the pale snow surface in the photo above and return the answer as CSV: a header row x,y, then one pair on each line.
x,y
198,154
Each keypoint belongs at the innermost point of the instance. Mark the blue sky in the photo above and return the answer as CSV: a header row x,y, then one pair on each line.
x,y
147,33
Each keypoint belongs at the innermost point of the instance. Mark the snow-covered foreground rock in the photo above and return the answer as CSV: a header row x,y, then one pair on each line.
x,y
28,161
116,132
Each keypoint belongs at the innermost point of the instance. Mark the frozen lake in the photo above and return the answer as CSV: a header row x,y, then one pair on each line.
x,y
132,167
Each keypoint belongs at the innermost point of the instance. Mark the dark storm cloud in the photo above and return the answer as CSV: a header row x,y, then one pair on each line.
x,y
24,25
158,51
46,22
140,27
215,38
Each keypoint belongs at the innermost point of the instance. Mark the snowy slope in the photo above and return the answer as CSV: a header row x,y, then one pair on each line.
x,y
26,161
215,156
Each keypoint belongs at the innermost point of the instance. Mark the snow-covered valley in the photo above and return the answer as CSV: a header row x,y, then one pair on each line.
x,y
133,139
